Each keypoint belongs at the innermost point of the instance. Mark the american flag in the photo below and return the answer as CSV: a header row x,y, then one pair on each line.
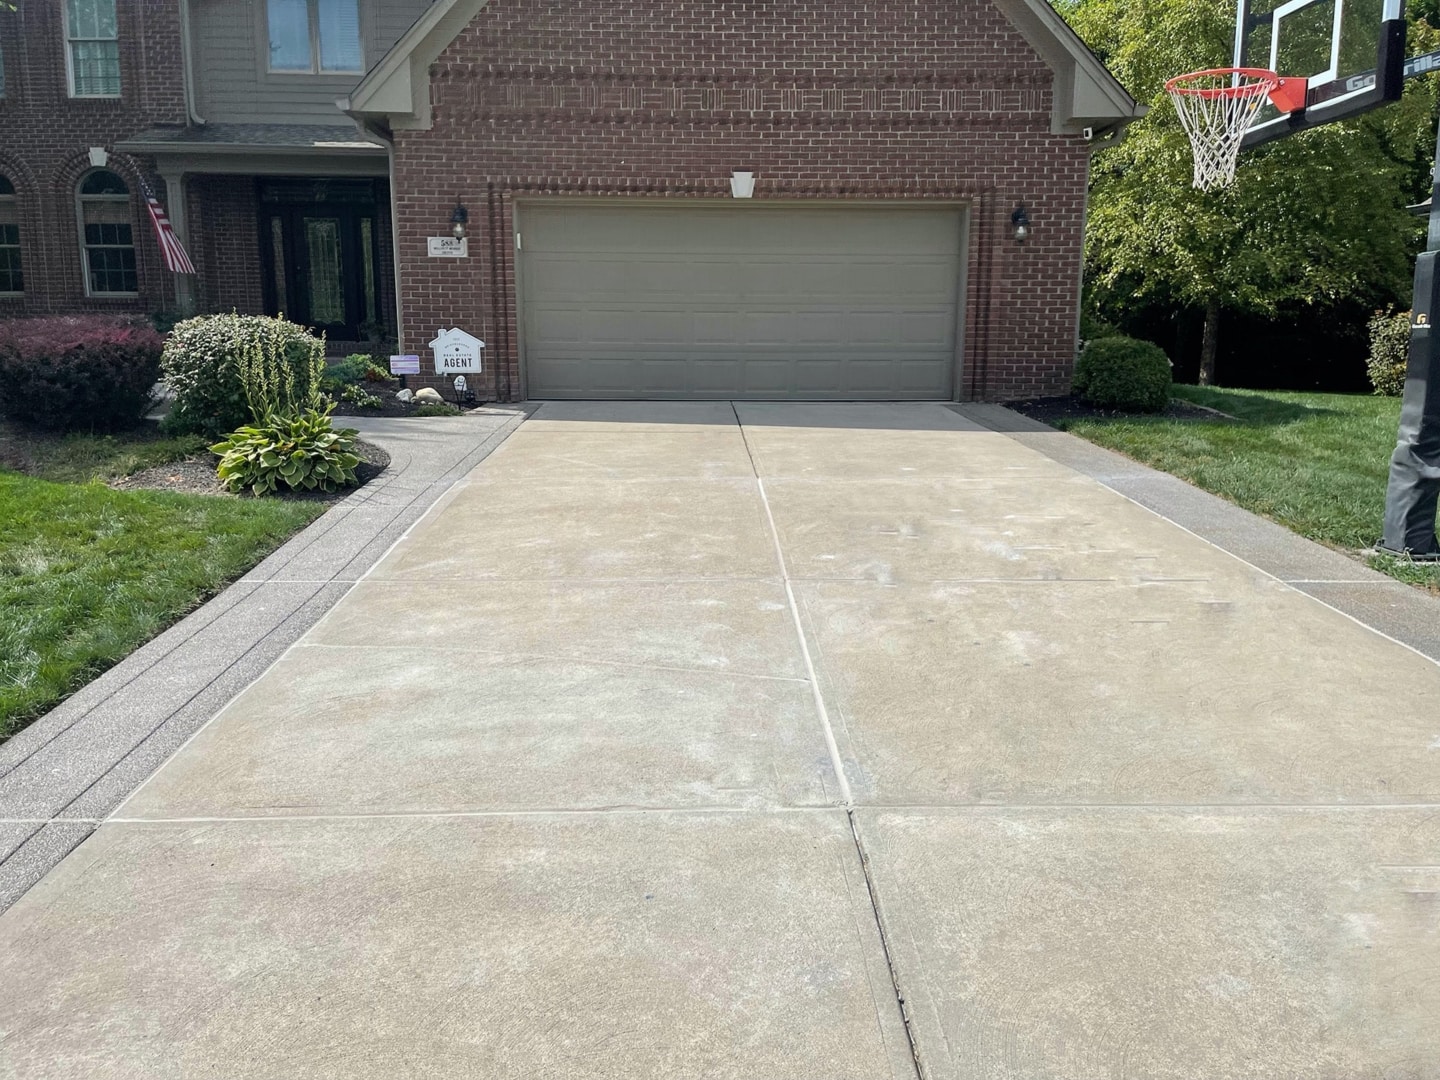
x,y
177,260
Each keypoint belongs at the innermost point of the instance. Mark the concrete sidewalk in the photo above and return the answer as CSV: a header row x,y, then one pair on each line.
x,y
690,741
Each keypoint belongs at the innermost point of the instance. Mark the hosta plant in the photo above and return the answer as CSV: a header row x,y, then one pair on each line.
x,y
302,452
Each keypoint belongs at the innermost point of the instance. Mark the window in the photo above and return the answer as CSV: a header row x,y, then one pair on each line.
x,y
11,280
92,35
307,36
107,236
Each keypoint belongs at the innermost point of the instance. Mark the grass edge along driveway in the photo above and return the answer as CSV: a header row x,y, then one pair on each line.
x,y
88,574
1316,463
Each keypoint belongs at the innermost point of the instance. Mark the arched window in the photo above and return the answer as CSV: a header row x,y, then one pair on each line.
x,y
106,235
11,280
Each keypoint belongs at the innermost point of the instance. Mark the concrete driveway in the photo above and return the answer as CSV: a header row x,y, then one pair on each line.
x,y
689,741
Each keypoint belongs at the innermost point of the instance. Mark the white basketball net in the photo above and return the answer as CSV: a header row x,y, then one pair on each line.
x,y
1217,109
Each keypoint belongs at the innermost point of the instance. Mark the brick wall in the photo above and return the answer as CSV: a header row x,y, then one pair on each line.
x,y
225,241
45,136
932,99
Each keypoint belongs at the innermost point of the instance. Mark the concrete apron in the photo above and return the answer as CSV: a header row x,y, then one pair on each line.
x,y
681,747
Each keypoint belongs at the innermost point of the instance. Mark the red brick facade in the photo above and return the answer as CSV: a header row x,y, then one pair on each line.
x,y
937,99
225,231
45,136
843,101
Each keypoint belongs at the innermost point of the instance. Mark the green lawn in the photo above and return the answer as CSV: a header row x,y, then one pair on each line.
x,y
79,458
1316,463
88,574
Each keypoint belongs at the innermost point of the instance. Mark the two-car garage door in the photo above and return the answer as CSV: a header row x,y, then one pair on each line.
x,y
740,301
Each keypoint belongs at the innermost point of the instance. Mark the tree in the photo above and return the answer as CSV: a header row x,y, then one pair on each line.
x,y
1317,217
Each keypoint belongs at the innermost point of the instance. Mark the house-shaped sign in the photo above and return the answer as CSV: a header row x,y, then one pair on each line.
x,y
458,353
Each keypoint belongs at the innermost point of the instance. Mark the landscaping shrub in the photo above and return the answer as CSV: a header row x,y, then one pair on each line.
x,y
436,408
78,373
1389,352
353,370
1124,373
1093,328
347,372
301,452
226,370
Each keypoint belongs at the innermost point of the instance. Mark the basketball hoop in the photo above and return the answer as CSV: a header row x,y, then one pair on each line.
x,y
1217,107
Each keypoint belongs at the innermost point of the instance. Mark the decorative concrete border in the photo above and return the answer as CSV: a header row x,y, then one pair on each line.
x,y
1393,608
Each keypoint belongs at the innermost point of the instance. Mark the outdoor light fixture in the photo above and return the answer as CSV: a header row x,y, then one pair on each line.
x,y
742,185
459,218
1020,221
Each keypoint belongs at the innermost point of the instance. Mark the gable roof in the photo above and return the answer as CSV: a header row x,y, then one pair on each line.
x,y
397,89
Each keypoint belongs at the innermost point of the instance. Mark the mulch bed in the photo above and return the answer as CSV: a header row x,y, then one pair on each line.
x,y
1050,409
196,476
389,406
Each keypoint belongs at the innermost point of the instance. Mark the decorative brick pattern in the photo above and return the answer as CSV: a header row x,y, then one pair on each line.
x,y
935,99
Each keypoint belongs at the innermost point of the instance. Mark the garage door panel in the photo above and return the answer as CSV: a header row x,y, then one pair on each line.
x,y
625,301
718,375
772,377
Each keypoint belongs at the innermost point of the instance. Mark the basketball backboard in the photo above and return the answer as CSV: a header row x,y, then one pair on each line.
x,y
1351,51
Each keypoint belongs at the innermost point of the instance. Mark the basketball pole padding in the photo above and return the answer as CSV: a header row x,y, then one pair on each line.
x,y
1414,491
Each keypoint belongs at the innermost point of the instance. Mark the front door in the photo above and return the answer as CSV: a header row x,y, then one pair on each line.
x,y
318,239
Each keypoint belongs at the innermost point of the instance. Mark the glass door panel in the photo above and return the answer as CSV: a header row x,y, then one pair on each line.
x,y
325,272
279,268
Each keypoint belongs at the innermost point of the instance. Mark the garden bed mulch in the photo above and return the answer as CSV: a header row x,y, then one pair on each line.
x,y
389,404
1048,410
196,476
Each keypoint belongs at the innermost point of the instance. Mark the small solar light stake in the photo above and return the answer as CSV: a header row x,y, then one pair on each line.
x,y
1020,222
459,218
463,394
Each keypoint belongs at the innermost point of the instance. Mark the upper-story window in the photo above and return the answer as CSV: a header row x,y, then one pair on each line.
x,y
11,280
107,236
308,36
92,48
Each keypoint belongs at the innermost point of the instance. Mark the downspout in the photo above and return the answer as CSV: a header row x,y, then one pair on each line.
x,y
187,62
373,130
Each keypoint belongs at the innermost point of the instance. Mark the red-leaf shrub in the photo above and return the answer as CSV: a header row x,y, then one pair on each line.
x,y
77,373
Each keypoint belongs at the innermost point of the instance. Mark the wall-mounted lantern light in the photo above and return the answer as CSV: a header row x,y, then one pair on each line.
x,y
458,219
742,185
1020,222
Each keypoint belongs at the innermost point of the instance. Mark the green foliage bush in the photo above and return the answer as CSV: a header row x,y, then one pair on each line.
x,y
1124,373
302,452
346,372
1389,352
77,373
226,370
1093,328
436,409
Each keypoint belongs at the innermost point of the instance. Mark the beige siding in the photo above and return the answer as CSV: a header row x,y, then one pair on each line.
x,y
233,85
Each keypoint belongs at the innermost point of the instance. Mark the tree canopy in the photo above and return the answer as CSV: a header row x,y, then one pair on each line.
x,y
1317,217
